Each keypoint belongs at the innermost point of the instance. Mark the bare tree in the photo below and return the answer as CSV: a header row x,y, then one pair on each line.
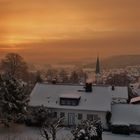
x,y
63,76
51,74
121,79
74,77
50,129
38,77
13,64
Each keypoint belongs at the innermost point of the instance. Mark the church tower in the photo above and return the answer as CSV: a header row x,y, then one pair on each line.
x,y
98,72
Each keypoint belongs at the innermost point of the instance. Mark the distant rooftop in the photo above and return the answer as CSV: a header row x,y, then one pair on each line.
x,y
126,114
119,92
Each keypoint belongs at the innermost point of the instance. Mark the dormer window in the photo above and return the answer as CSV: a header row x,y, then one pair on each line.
x,y
70,99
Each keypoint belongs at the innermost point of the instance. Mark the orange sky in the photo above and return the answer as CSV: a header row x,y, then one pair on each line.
x,y
69,30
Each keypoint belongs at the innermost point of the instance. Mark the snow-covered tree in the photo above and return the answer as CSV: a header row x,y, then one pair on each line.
x,y
88,130
13,99
37,116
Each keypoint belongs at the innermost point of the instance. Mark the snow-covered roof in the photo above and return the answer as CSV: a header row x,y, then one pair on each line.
x,y
134,100
125,114
49,95
70,95
119,92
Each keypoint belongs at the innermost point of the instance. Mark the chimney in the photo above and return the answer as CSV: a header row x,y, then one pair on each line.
x,y
88,87
113,87
54,81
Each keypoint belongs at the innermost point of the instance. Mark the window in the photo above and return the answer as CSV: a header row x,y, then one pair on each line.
x,y
90,117
62,102
62,114
55,114
95,116
74,103
68,102
80,116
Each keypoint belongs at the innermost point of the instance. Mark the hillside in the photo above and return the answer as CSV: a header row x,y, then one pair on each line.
x,y
118,61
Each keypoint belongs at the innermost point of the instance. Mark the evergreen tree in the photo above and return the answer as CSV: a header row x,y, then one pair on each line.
x,y
13,99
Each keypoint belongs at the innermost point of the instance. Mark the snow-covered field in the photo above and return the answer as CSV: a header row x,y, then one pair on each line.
x,y
29,133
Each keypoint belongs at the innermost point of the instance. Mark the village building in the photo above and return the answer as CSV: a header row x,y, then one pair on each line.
x,y
126,115
76,102
119,94
79,102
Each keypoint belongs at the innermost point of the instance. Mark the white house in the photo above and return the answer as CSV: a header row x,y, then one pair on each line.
x,y
75,102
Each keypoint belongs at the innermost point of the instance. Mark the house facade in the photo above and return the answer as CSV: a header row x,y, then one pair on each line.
x,y
74,102
74,117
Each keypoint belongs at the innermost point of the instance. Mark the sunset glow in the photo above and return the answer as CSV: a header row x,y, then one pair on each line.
x,y
91,25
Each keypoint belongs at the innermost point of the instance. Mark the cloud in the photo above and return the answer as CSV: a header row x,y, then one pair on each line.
x,y
73,29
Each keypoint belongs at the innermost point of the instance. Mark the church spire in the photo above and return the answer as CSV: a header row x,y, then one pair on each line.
x,y
98,66
98,72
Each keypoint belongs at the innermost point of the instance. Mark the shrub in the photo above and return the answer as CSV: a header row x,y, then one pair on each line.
x,y
120,129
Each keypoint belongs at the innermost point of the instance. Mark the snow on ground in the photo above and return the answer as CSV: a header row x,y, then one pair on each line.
x,y
110,136
31,133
